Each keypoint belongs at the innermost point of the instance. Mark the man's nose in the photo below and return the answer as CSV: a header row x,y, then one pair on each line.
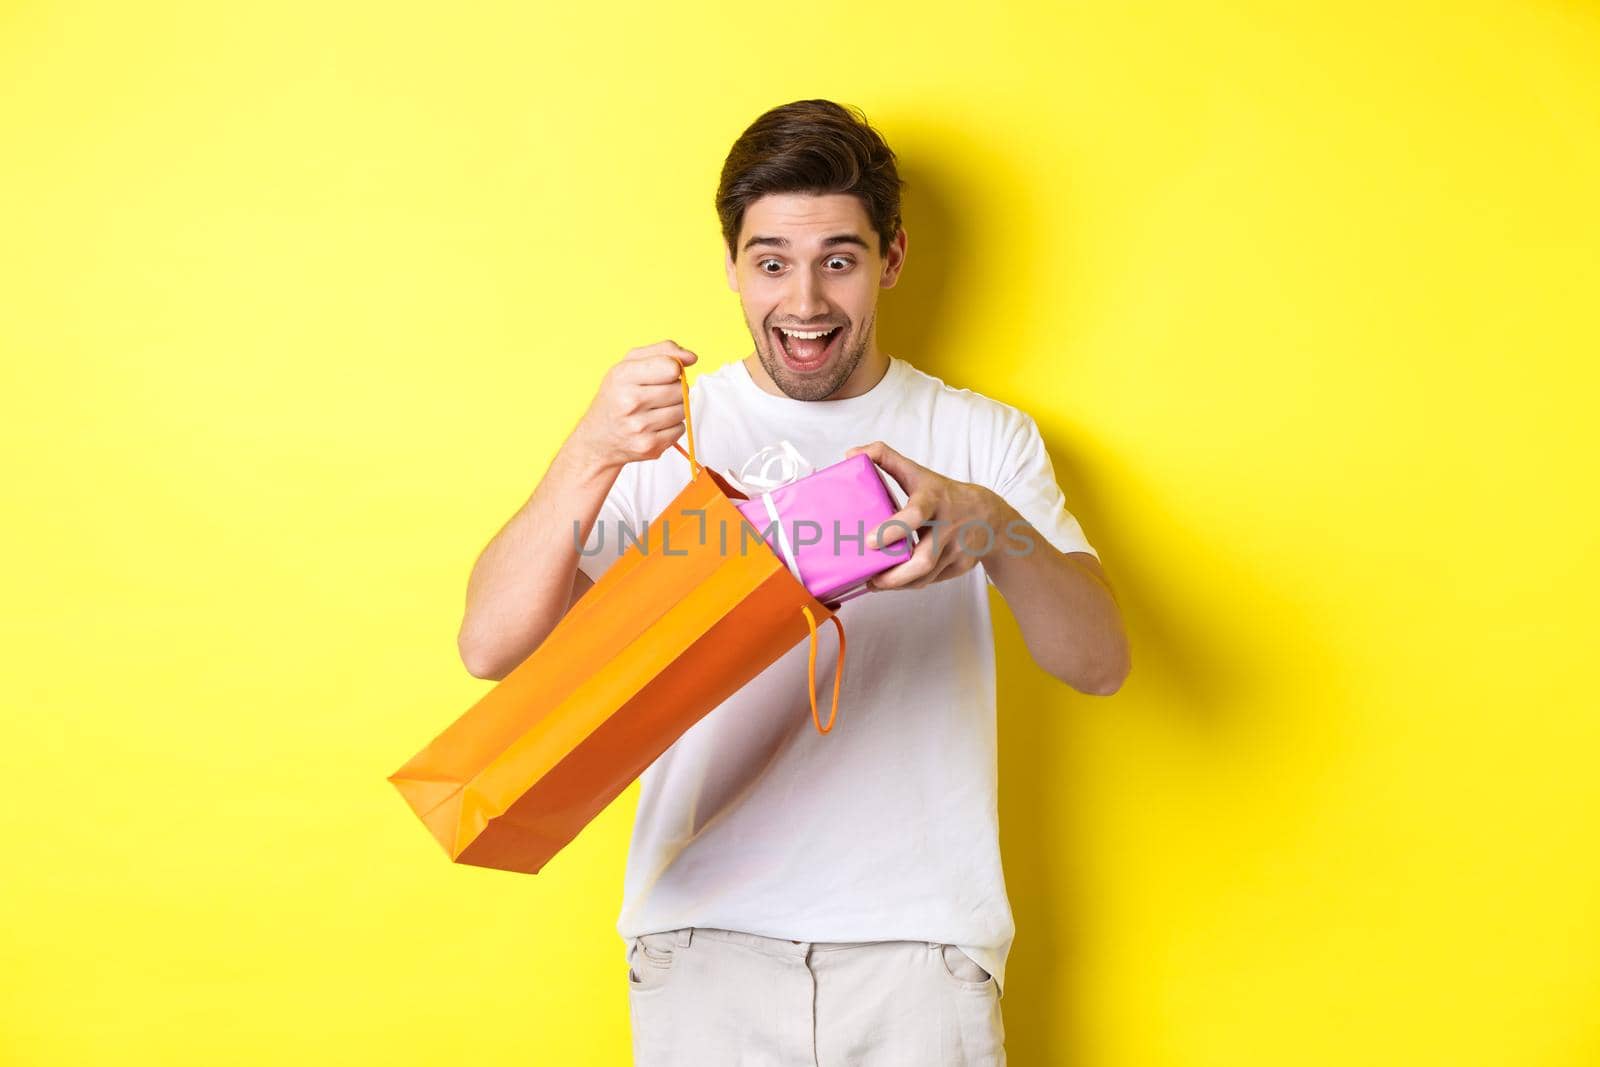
x,y
805,299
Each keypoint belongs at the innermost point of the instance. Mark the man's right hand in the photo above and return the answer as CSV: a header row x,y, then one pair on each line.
x,y
638,411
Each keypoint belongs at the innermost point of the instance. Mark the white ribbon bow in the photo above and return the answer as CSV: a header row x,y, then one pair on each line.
x,y
773,467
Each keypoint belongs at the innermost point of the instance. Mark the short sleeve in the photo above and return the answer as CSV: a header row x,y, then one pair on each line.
x,y
619,510
1027,481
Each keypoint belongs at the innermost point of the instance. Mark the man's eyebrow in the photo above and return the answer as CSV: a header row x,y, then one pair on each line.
x,y
783,242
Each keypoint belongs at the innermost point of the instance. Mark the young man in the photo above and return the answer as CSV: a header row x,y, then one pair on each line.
x,y
792,897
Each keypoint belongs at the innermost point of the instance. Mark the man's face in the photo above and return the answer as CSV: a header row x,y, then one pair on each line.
x,y
810,264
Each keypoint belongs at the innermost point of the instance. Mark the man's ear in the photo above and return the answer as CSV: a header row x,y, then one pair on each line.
x,y
895,260
727,264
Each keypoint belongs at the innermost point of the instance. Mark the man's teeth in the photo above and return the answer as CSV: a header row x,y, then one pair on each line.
x,y
809,335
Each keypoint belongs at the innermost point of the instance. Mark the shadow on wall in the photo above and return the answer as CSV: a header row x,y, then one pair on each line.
x,y
1226,705
909,314
1185,668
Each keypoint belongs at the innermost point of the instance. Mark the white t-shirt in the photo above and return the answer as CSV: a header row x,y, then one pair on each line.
x,y
887,827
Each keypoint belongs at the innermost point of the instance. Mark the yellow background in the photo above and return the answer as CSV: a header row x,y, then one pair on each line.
x,y
297,300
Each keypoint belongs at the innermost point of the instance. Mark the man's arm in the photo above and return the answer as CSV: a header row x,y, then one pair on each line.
x,y
1064,606
1063,603
527,577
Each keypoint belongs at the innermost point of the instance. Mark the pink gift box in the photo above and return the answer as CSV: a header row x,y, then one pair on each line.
x,y
798,521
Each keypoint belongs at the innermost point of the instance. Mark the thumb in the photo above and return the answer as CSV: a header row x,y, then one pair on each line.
x,y
901,469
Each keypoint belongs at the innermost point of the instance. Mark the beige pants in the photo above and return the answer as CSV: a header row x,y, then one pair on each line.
x,y
723,998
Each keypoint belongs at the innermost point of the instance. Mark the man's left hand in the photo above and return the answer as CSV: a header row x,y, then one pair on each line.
x,y
956,522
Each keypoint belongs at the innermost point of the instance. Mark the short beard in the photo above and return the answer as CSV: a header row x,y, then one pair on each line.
x,y
814,388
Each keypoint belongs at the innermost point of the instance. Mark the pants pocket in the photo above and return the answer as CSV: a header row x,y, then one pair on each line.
x,y
651,961
654,960
976,1003
962,967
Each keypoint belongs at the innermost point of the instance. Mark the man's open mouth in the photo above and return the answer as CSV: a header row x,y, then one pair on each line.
x,y
806,349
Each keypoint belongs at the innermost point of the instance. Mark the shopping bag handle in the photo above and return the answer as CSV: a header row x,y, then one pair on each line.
x,y
811,671
811,621
688,425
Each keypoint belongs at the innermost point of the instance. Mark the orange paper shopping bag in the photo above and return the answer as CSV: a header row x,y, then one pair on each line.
x,y
679,622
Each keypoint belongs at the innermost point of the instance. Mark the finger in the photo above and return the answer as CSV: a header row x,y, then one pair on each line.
x,y
953,559
658,364
898,467
897,527
949,557
669,434
902,574
656,397
667,348
663,417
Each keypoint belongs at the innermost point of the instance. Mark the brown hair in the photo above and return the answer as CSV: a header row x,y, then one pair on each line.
x,y
810,146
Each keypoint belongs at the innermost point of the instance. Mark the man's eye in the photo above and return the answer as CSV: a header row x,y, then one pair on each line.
x,y
765,263
840,259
